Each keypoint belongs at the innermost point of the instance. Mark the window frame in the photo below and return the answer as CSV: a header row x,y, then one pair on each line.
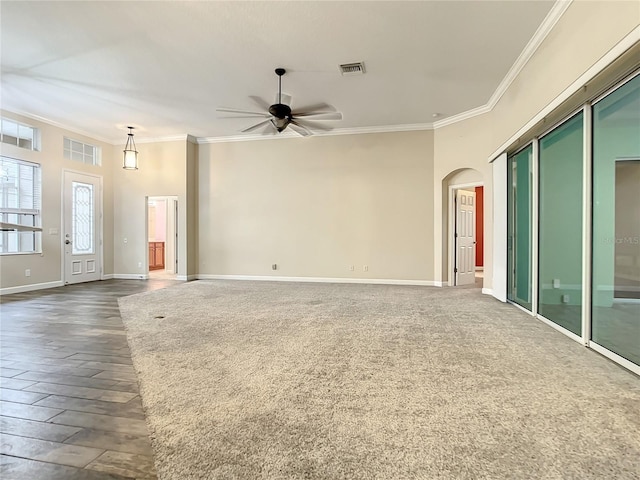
x,y
81,149
34,137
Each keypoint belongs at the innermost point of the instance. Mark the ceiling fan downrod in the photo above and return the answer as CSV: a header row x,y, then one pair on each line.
x,y
280,72
280,112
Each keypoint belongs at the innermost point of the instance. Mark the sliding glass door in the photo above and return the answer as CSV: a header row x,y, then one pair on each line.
x,y
560,225
615,310
574,261
519,211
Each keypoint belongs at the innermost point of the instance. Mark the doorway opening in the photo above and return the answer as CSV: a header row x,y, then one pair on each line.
x,y
162,236
466,234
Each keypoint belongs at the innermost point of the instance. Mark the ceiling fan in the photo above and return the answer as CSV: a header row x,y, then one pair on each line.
x,y
279,116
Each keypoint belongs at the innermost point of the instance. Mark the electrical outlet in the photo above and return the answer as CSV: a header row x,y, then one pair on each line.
x,y
139,264
27,272
274,266
365,268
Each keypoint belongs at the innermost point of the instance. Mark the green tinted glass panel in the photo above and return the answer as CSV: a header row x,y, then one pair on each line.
x,y
560,253
615,311
519,228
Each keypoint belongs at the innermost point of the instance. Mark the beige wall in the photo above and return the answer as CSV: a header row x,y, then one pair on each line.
x,y
317,205
192,210
587,31
460,152
162,172
47,267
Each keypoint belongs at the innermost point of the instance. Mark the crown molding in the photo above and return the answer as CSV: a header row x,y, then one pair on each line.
x,y
169,138
474,112
335,132
558,9
625,44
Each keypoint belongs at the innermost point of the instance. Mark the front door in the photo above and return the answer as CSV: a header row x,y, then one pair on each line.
x,y
81,212
465,237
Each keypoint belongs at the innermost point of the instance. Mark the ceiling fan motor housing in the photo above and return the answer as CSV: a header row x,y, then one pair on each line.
x,y
281,115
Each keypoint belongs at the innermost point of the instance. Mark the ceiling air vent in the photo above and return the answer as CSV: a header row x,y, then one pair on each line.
x,y
352,68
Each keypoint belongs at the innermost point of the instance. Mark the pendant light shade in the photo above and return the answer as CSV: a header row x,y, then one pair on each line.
x,y
130,159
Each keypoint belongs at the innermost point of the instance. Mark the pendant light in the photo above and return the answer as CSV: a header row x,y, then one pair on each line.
x,y
130,159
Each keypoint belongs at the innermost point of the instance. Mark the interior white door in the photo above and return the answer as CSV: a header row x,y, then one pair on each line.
x,y
81,218
465,237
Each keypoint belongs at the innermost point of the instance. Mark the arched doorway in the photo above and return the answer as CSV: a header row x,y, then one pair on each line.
x,y
464,219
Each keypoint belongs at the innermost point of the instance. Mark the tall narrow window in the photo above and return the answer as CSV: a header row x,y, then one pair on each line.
x,y
519,209
20,200
615,310
560,245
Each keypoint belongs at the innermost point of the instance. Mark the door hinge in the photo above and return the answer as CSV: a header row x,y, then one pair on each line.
x,y
455,270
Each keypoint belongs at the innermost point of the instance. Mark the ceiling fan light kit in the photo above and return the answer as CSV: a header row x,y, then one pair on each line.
x,y
279,116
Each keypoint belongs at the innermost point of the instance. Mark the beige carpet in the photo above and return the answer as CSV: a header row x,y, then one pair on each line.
x,y
268,380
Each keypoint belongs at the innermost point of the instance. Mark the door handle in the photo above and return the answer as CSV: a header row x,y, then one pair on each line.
x,y
67,242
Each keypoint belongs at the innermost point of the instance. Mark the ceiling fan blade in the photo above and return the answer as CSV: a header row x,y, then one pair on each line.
x,y
262,103
243,116
320,115
286,99
299,129
319,107
312,125
269,129
245,112
256,126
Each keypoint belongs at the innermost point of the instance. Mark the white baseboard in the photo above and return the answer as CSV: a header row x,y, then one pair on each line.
x,y
376,281
131,276
29,288
187,278
487,291
109,276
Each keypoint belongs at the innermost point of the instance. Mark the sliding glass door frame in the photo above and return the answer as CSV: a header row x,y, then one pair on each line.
x,y
536,226
587,220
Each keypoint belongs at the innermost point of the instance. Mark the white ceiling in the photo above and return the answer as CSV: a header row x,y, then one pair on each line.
x,y
165,66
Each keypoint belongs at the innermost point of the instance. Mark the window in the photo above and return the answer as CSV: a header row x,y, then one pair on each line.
x,y
18,134
81,152
20,200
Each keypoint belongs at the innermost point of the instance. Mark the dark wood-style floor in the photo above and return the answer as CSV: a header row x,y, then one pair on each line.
x,y
69,401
